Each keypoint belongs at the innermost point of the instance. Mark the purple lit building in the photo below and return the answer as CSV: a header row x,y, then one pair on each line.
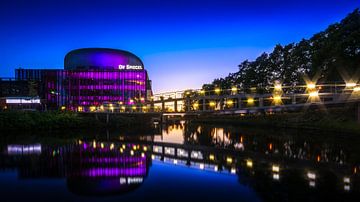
x,y
93,78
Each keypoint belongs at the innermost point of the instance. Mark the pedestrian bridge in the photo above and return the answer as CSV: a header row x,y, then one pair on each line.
x,y
234,101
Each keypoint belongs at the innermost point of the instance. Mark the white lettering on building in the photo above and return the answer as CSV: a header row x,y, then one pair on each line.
x,y
130,67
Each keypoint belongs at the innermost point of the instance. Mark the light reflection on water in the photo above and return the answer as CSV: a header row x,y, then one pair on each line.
x,y
275,165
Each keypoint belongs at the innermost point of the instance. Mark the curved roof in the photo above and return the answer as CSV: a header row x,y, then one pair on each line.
x,y
101,58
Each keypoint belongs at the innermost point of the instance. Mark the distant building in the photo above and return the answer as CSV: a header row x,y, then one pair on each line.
x,y
92,78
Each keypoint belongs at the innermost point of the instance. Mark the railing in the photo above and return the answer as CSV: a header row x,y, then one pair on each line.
x,y
235,98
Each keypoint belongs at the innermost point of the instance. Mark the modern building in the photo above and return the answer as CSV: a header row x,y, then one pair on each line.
x,y
92,79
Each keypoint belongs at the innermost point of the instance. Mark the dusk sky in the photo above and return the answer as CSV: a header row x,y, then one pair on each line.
x,y
183,43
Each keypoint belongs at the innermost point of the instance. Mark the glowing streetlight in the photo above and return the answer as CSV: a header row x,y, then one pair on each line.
x,y
275,168
310,85
229,102
217,90
249,163
314,94
278,87
212,104
250,100
277,98
349,85
234,89
311,175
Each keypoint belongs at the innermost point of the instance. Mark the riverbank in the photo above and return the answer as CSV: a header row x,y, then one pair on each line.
x,y
334,120
62,121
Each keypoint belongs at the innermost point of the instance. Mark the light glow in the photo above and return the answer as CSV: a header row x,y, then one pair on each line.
x,y
314,94
311,175
275,168
350,85
310,85
217,90
249,163
356,89
277,98
250,100
201,166
276,176
278,87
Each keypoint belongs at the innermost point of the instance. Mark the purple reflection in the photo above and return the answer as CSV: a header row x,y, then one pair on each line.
x,y
123,159
112,172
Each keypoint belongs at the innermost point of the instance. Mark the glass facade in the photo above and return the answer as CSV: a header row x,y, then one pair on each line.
x,y
91,88
91,79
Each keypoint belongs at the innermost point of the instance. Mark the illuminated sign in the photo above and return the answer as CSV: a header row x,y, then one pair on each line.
x,y
22,101
130,67
131,180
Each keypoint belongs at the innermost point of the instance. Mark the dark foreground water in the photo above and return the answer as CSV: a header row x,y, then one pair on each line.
x,y
181,162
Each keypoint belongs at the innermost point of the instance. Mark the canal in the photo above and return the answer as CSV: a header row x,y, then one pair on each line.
x,y
181,162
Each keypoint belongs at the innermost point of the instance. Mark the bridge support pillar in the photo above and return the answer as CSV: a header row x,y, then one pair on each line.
x,y
239,103
204,104
261,102
175,106
163,105
293,99
188,104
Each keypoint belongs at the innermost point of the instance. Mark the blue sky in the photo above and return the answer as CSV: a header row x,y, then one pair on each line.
x,y
183,43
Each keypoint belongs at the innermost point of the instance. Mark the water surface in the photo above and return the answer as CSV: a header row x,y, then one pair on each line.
x,y
181,162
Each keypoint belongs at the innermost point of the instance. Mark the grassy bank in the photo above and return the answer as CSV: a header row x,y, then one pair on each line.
x,y
336,120
57,121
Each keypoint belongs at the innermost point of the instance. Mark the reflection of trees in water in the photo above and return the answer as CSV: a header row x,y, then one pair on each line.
x,y
167,128
209,136
293,185
283,143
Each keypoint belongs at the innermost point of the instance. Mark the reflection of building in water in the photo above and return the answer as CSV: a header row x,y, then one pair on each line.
x,y
90,168
24,149
103,168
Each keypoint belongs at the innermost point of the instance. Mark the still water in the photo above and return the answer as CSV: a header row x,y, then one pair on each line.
x,y
181,162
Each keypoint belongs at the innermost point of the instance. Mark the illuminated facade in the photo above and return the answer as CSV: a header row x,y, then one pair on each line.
x,y
92,78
